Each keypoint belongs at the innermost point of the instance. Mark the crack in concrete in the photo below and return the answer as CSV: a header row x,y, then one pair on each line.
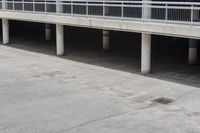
x,y
90,122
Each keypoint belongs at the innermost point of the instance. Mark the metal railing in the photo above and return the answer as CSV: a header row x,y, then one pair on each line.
x,y
164,12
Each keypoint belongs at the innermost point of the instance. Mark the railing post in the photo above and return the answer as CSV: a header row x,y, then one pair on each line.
x,y
59,6
72,8
142,11
87,8
57,10
4,4
166,13
13,5
22,5
103,9
192,13
34,6
122,10
45,6
146,9
13,2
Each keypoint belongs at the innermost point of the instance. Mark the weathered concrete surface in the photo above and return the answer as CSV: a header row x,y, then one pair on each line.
x,y
41,93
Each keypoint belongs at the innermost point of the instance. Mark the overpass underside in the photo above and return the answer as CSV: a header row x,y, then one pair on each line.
x,y
177,19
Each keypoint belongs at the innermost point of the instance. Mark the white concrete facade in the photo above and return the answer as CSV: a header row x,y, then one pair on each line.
x,y
106,39
59,39
5,31
193,51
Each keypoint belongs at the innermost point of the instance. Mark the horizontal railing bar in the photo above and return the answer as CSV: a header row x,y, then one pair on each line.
x,y
110,5
125,2
163,12
149,6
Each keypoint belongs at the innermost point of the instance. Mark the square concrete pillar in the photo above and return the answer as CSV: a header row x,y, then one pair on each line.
x,y
47,32
59,39
193,51
106,39
5,32
146,53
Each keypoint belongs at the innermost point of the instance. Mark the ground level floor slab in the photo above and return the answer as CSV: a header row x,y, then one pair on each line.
x,y
42,93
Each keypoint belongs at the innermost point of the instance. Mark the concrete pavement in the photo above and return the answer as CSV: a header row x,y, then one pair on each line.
x,y
41,93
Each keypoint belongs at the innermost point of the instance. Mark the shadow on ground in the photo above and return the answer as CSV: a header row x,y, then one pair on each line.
x,y
169,55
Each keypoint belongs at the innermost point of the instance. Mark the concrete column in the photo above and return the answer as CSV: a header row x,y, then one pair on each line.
x,y
60,39
5,28
47,32
106,40
146,54
146,12
193,50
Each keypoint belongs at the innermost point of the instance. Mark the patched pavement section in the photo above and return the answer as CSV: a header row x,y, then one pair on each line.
x,y
41,93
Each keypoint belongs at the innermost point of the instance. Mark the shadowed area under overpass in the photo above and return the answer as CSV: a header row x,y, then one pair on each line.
x,y
169,54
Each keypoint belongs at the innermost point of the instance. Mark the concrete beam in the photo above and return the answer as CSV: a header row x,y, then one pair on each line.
x,y
59,39
47,32
146,53
106,39
170,29
5,28
193,51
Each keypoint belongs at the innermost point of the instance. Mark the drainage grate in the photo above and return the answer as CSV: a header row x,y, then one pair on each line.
x,y
163,100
